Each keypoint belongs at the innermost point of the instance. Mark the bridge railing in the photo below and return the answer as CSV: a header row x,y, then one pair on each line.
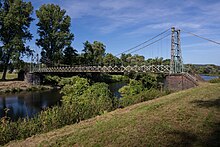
x,y
105,69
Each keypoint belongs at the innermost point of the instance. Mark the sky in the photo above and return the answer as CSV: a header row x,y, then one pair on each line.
x,y
122,24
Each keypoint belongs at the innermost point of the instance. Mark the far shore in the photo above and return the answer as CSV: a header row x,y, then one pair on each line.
x,y
18,86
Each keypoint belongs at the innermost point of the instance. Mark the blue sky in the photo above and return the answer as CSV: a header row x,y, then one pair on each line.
x,y
122,24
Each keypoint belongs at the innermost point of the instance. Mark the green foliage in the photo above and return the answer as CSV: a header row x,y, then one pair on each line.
x,y
70,56
93,53
124,60
128,59
142,88
54,80
139,83
134,87
150,80
95,100
111,60
86,100
208,69
141,97
135,60
119,78
74,87
15,20
157,61
54,32
47,120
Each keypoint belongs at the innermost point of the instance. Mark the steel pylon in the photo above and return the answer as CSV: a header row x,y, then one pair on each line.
x,y
176,62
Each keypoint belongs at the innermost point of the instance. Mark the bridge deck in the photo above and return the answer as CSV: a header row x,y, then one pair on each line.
x,y
104,69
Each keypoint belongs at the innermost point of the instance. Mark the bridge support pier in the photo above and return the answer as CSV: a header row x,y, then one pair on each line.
x,y
177,82
33,78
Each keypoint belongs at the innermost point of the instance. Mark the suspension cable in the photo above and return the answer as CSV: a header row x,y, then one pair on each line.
x,y
150,43
203,38
143,42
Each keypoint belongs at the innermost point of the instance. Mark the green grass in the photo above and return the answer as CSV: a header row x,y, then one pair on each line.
x,y
185,118
10,76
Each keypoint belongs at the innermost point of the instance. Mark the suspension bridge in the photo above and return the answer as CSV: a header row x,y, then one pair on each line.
x,y
176,64
177,77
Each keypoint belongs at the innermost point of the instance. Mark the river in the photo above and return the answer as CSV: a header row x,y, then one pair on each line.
x,y
207,78
28,104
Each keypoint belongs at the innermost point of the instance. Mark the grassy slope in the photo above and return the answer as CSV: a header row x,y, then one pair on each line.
x,y
186,118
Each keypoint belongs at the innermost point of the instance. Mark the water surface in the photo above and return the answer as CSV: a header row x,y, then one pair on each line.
x,y
27,104
114,87
207,78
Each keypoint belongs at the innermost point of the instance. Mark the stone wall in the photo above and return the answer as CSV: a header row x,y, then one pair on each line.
x,y
33,79
178,82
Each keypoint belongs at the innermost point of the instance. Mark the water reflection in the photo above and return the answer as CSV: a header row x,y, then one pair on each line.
x,y
27,104
114,87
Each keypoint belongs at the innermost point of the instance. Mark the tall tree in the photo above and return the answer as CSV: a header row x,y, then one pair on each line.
x,y
94,53
125,59
111,60
70,56
15,21
54,32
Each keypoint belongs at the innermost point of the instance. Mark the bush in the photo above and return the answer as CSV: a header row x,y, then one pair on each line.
x,y
54,80
119,78
141,97
134,87
96,100
47,120
87,101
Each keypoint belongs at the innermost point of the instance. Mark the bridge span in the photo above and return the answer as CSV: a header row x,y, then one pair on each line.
x,y
105,69
176,78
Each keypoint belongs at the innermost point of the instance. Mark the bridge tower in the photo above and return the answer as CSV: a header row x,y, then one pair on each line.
x,y
176,62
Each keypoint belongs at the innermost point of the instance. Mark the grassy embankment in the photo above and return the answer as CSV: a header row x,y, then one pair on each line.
x,y
10,76
186,118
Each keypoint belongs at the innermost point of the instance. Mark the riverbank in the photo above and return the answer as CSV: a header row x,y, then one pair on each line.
x,y
18,86
185,118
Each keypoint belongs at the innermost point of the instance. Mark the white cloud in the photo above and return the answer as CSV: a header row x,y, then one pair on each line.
x,y
116,15
118,5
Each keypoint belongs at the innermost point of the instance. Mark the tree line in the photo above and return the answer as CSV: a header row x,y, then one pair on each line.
x,y
54,39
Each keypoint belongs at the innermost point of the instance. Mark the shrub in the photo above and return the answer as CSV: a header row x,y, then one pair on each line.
x,y
141,97
96,100
119,78
134,87
54,80
86,100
